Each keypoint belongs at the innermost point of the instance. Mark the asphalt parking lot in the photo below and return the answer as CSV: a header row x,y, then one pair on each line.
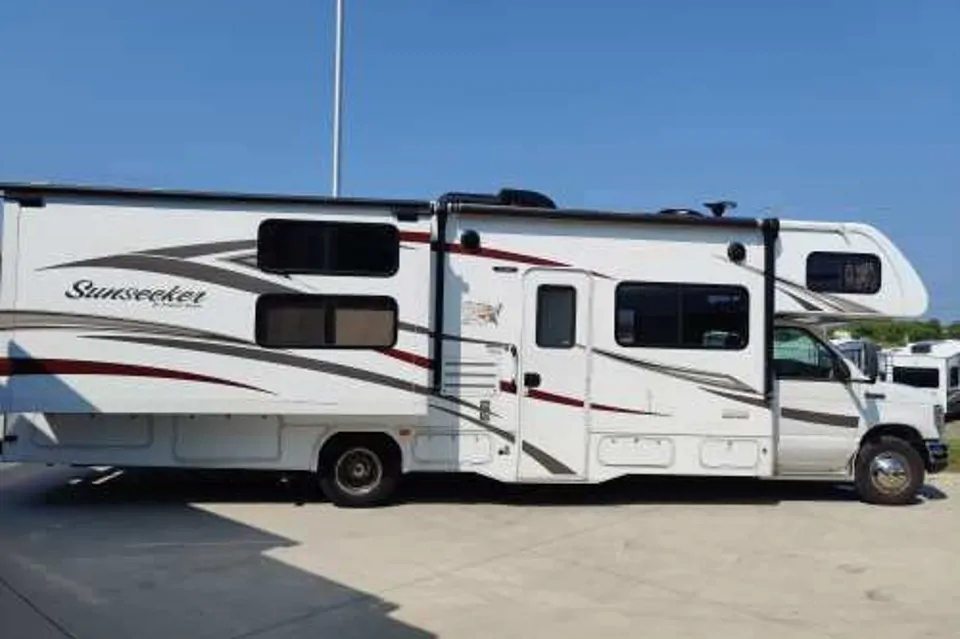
x,y
95,554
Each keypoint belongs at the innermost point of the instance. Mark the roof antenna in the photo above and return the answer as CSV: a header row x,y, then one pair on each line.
x,y
719,208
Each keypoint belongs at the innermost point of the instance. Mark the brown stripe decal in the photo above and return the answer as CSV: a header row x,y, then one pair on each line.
x,y
752,401
825,419
813,417
22,366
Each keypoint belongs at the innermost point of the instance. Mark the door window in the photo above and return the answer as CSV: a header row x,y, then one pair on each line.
x,y
799,355
556,316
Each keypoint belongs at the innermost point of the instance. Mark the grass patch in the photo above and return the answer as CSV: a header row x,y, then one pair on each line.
x,y
954,444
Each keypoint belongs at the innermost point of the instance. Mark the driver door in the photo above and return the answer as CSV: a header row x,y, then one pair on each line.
x,y
819,413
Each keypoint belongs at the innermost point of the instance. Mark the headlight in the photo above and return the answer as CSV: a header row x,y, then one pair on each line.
x,y
938,418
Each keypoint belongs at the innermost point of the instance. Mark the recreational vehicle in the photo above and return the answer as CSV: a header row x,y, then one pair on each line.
x,y
361,339
934,366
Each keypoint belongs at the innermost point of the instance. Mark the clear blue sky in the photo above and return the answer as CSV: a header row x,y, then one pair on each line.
x,y
843,109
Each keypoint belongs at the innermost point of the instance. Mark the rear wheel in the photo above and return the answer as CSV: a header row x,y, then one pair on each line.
x,y
888,471
359,471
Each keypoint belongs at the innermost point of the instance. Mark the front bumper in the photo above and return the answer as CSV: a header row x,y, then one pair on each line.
x,y
938,455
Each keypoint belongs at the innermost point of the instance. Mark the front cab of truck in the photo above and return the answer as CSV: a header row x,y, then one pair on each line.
x,y
902,435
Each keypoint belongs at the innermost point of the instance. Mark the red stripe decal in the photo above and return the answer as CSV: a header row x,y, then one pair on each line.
x,y
511,387
556,399
508,256
14,367
617,409
421,237
410,358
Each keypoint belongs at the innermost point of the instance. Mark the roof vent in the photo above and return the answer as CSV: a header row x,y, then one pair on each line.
x,y
922,347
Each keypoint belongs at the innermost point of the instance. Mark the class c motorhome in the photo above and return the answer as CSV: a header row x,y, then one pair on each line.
x,y
933,365
496,334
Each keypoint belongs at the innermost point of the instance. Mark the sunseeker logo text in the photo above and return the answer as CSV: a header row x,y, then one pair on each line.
x,y
174,296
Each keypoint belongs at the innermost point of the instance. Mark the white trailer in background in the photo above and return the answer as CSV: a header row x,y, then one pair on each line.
x,y
500,335
933,366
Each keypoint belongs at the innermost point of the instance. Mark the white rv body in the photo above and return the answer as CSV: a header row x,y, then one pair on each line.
x,y
517,342
931,366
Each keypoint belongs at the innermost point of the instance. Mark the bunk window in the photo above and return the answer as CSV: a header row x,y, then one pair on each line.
x,y
328,248
326,321
692,316
843,273
915,376
556,316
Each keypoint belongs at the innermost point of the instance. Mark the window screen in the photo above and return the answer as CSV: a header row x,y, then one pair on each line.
x,y
843,273
556,316
919,377
328,248
704,316
955,377
326,321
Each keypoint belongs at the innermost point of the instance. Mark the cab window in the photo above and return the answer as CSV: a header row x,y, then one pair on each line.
x,y
799,355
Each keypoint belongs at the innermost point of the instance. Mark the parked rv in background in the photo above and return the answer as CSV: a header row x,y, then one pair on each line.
x,y
494,334
934,366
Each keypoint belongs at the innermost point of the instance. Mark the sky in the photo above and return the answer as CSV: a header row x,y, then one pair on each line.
x,y
820,110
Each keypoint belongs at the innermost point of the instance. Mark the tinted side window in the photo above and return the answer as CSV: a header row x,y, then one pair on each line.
x,y
660,315
955,377
843,273
798,355
556,316
915,376
328,248
326,321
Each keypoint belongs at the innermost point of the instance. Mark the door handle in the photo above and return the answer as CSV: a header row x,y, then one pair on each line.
x,y
875,395
531,380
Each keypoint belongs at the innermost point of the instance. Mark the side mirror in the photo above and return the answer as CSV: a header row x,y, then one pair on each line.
x,y
871,361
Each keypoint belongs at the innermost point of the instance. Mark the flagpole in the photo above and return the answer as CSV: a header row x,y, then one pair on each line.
x,y
337,99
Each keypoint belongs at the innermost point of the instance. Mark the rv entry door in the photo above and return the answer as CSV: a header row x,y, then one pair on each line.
x,y
554,360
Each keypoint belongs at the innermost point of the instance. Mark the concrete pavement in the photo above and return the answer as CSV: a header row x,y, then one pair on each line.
x,y
235,555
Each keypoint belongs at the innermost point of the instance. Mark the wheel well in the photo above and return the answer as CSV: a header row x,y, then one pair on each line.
x,y
342,440
907,433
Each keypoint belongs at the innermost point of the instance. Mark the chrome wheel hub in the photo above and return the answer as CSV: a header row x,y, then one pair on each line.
x,y
890,472
358,471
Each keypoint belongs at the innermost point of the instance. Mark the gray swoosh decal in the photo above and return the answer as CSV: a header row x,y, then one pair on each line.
x,y
41,320
752,401
825,419
838,303
189,270
473,420
552,464
813,417
807,306
688,374
198,250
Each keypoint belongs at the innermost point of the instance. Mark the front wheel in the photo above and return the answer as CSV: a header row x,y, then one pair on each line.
x,y
889,471
359,472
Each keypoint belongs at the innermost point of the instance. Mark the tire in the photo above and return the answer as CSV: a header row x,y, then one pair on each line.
x,y
359,472
889,471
